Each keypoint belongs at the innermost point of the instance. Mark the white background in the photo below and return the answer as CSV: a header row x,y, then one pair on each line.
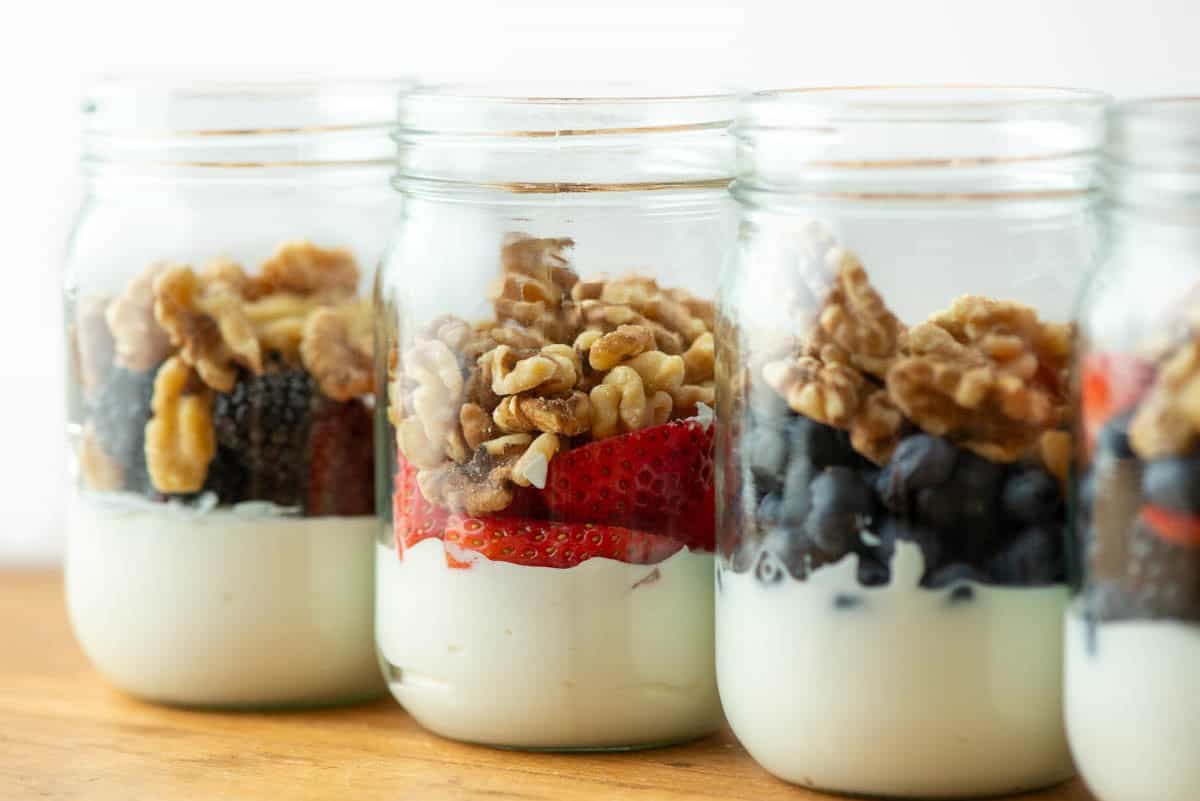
x,y
50,51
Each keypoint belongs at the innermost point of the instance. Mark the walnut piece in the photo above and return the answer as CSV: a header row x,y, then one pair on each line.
x,y
303,268
92,343
207,322
534,464
698,360
876,430
337,348
1167,422
606,351
830,394
141,343
516,371
99,470
568,415
180,440
855,318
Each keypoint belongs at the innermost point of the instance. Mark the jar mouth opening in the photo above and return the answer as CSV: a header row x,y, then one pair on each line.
x,y
800,106
149,107
552,108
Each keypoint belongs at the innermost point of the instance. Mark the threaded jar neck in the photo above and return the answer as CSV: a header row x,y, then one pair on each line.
x,y
925,143
211,127
1152,158
562,139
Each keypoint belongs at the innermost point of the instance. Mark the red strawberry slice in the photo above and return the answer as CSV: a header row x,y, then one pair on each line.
x,y
413,517
1178,528
658,479
1110,383
341,461
541,543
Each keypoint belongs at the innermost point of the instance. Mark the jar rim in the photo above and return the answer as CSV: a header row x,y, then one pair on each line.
x,y
899,102
559,108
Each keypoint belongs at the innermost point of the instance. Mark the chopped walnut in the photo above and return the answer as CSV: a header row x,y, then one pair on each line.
x,y
568,415
856,319
688,397
830,394
337,349
92,343
1167,421
180,440
208,324
659,372
141,343
1054,450
516,371
606,351
876,430
303,268
479,487
476,425
698,360
100,471
533,465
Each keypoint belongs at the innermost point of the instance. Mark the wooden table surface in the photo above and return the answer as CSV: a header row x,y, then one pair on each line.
x,y
65,734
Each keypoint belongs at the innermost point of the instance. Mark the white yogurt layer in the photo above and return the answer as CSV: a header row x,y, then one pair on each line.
x,y
1133,710
223,608
902,692
601,655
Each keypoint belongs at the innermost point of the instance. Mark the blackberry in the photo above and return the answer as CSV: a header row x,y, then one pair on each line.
x,y
118,413
265,422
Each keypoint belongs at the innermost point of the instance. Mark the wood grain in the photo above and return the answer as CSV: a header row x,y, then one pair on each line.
x,y
64,734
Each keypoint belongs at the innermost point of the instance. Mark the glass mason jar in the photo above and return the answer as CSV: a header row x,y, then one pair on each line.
x,y
893,433
220,542
544,574
1133,630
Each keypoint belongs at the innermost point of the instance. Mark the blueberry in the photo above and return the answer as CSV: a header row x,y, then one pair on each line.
x,y
797,493
1032,496
1114,437
1173,483
768,570
766,450
872,572
1033,557
820,445
924,538
841,506
940,507
978,482
769,510
920,461
953,573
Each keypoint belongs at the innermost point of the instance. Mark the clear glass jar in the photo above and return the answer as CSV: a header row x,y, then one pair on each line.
x,y
545,578
892,434
220,543
1133,630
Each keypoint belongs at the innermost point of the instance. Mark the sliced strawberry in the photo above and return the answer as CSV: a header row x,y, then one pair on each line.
x,y
541,543
413,517
1178,528
1110,383
341,461
658,479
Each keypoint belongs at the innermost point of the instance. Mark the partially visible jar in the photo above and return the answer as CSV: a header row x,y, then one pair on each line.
x,y
545,578
220,539
893,440
1133,631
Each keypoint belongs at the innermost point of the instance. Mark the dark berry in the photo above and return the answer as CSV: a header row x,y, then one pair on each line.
x,y
1163,579
872,572
1033,557
265,421
118,414
845,602
920,461
766,451
939,507
226,478
769,510
1114,437
820,445
1032,496
1173,483
978,482
895,530
841,507
768,569
953,573
797,492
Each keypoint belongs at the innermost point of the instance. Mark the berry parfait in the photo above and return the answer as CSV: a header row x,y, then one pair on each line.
x,y
546,578
220,542
894,437
1133,628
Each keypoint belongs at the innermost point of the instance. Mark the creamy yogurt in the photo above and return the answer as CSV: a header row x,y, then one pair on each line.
x,y
895,690
220,607
601,655
1133,710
